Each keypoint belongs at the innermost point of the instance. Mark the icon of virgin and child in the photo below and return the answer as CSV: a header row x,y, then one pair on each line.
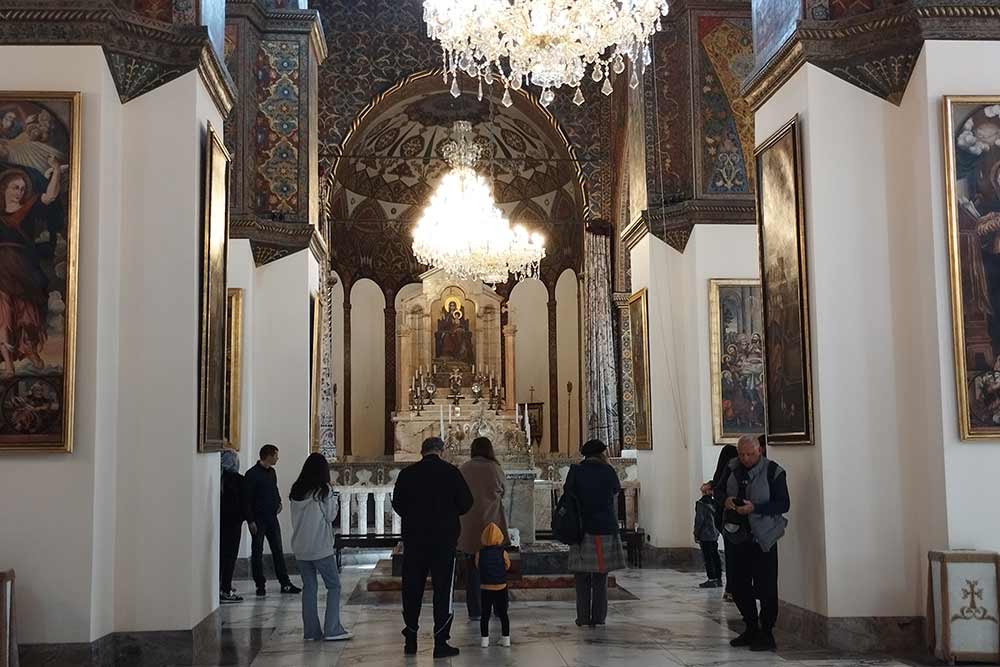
x,y
453,334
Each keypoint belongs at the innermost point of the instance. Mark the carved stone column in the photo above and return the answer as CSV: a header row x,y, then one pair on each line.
x,y
553,374
405,365
345,512
327,412
509,387
379,512
362,497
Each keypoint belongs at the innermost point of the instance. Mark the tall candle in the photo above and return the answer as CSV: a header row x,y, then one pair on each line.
x,y
441,412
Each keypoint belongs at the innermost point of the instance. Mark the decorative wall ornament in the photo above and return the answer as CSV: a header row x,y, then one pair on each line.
x,y
627,374
736,358
972,153
234,367
39,241
214,249
638,310
143,53
782,242
327,409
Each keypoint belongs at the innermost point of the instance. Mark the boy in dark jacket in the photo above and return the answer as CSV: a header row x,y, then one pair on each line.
x,y
706,534
493,563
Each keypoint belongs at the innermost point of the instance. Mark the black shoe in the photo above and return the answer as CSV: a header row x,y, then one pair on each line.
x,y
445,651
711,583
764,641
290,589
746,639
261,591
410,647
581,624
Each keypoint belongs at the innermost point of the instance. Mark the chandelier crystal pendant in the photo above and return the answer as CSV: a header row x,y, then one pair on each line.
x,y
463,232
545,43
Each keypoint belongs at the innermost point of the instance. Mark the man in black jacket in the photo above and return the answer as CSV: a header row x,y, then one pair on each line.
x,y
430,496
263,506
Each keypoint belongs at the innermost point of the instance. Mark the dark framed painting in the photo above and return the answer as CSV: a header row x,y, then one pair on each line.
x,y
536,412
782,243
212,416
638,311
234,366
40,186
736,352
972,186
315,337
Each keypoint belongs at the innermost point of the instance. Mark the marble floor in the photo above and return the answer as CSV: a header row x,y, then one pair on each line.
x,y
672,624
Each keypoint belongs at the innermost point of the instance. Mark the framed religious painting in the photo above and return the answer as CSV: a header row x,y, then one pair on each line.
x,y
535,418
782,242
234,366
638,311
315,337
213,341
736,351
40,186
972,187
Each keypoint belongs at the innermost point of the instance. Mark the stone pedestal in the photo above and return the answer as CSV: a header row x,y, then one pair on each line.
x,y
519,503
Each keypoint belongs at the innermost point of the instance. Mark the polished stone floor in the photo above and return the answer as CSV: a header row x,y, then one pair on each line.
x,y
672,623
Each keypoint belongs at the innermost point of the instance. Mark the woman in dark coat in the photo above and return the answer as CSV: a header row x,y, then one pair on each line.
x,y
728,453
596,485
486,480
231,524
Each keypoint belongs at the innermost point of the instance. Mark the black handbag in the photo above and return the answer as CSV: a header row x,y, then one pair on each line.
x,y
567,520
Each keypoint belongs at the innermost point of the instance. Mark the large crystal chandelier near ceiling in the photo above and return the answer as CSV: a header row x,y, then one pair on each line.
x,y
546,43
463,232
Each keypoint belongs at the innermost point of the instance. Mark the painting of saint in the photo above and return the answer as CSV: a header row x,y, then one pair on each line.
x,y
38,194
972,156
453,334
781,229
737,350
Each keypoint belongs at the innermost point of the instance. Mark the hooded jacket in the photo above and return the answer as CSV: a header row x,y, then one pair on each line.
x,y
492,560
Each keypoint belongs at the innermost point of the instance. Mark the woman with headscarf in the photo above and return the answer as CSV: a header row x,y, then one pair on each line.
x,y
728,453
485,477
232,515
596,486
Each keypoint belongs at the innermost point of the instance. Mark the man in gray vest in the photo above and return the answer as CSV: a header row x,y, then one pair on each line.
x,y
754,495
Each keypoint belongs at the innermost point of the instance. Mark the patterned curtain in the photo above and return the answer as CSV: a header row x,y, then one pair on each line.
x,y
602,380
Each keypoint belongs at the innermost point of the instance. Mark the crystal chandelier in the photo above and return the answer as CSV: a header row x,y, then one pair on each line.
x,y
463,232
546,43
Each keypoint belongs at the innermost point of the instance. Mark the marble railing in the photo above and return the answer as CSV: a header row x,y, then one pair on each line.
x,y
358,481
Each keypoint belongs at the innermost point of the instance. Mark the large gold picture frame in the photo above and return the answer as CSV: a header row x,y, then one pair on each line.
x,y
638,311
972,188
212,426
781,227
234,366
39,246
736,356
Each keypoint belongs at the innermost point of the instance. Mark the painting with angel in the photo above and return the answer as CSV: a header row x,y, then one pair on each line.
x,y
38,225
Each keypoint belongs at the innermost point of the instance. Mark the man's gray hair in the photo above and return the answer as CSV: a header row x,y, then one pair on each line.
x,y
752,439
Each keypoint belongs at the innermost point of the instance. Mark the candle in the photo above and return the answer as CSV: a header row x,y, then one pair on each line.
x,y
435,368
449,414
441,412
517,413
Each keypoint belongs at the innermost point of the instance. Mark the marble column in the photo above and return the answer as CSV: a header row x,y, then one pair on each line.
x,y
405,366
509,334
380,512
345,513
397,521
362,512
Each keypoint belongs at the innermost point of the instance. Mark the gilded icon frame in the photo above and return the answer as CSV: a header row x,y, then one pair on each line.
x,y
212,411
638,310
234,366
715,325
64,445
767,195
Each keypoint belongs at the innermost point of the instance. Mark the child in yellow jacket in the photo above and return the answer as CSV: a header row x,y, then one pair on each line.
x,y
493,562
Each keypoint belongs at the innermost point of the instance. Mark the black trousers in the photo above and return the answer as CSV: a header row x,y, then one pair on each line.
x,y
417,563
754,576
230,534
494,601
727,564
713,564
591,598
473,601
267,528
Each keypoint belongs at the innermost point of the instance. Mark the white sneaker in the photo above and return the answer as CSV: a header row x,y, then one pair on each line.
x,y
485,642
343,636
505,641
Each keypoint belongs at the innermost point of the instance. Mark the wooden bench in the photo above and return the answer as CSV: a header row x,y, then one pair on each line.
x,y
368,541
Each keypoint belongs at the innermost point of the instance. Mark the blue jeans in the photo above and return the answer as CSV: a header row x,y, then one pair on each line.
x,y
327,568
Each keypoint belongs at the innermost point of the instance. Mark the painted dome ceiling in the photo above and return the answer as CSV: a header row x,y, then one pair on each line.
x,y
393,158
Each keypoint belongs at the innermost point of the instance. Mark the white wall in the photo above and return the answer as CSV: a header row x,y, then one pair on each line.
x,y
281,355
568,360
55,505
528,311
367,369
